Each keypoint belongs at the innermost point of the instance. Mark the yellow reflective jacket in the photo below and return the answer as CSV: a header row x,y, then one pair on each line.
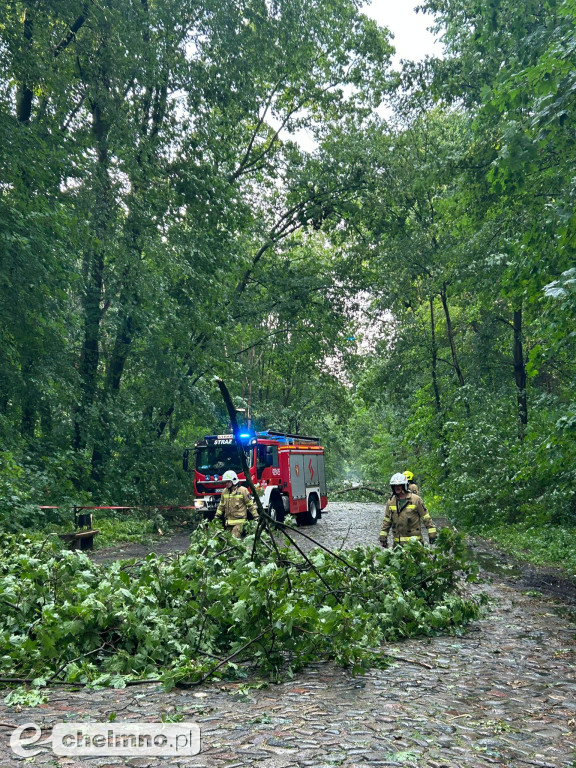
x,y
236,505
404,517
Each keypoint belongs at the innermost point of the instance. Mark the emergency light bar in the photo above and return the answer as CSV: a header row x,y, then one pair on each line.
x,y
287,437
245,437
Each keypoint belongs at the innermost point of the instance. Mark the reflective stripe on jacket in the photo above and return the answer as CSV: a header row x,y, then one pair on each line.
x,y
235,504
404,517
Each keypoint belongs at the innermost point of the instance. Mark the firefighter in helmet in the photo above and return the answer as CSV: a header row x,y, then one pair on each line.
x,y
236,506
412,487
405,511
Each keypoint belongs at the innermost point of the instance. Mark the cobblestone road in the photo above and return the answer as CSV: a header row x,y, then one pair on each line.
x,y
503,694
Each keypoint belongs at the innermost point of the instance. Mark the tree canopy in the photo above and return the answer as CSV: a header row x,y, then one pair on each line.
x,y
402,283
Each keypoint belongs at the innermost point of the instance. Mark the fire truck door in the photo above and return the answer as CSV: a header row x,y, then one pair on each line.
x,y
312,476
297,477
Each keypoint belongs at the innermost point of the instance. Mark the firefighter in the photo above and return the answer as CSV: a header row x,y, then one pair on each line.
x,y
404,513
412,487
236,505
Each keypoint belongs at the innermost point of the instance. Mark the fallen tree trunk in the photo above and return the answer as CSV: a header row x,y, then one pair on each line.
x,y
377,491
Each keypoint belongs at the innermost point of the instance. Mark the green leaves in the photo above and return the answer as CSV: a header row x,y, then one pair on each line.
x,y
25,697
151,197
68,620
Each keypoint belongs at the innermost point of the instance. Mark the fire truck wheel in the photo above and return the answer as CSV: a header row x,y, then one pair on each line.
x,y
310,517
276,509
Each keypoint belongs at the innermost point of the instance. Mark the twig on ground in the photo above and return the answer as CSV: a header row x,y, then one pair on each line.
x,y
208,674
282,526
71,661
408,661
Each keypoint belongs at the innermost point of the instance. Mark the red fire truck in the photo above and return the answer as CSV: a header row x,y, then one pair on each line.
x,y
287,470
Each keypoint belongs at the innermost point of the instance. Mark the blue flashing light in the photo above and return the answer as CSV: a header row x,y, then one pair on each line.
x,y
245,434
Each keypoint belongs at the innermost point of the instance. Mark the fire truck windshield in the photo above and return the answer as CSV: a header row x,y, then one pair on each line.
x,y
216,459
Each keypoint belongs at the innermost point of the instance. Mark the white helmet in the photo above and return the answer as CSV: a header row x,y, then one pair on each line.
x,y
399,479
230,475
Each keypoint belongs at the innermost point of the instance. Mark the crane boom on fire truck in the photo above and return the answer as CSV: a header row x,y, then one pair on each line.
x,y
287,469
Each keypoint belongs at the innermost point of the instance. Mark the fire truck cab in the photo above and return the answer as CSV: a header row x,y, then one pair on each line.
x,y
287,470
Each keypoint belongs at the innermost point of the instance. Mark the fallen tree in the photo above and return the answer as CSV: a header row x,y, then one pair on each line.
x,y
223,608
377,491
226,607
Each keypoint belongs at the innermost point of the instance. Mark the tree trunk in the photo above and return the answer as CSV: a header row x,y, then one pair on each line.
x,y
120,354
434,352
90,347
450,331
104,434
153,112
94,273
24,92
436,389
164,420
520,374
24,97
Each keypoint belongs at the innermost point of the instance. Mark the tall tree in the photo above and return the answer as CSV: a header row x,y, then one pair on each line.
x,y
157,180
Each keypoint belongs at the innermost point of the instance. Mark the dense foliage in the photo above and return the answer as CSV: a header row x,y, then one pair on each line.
x,y
158,225
219,610
470,247
403,287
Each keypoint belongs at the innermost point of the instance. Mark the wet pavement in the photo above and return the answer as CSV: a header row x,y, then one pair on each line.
x,y
503,693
